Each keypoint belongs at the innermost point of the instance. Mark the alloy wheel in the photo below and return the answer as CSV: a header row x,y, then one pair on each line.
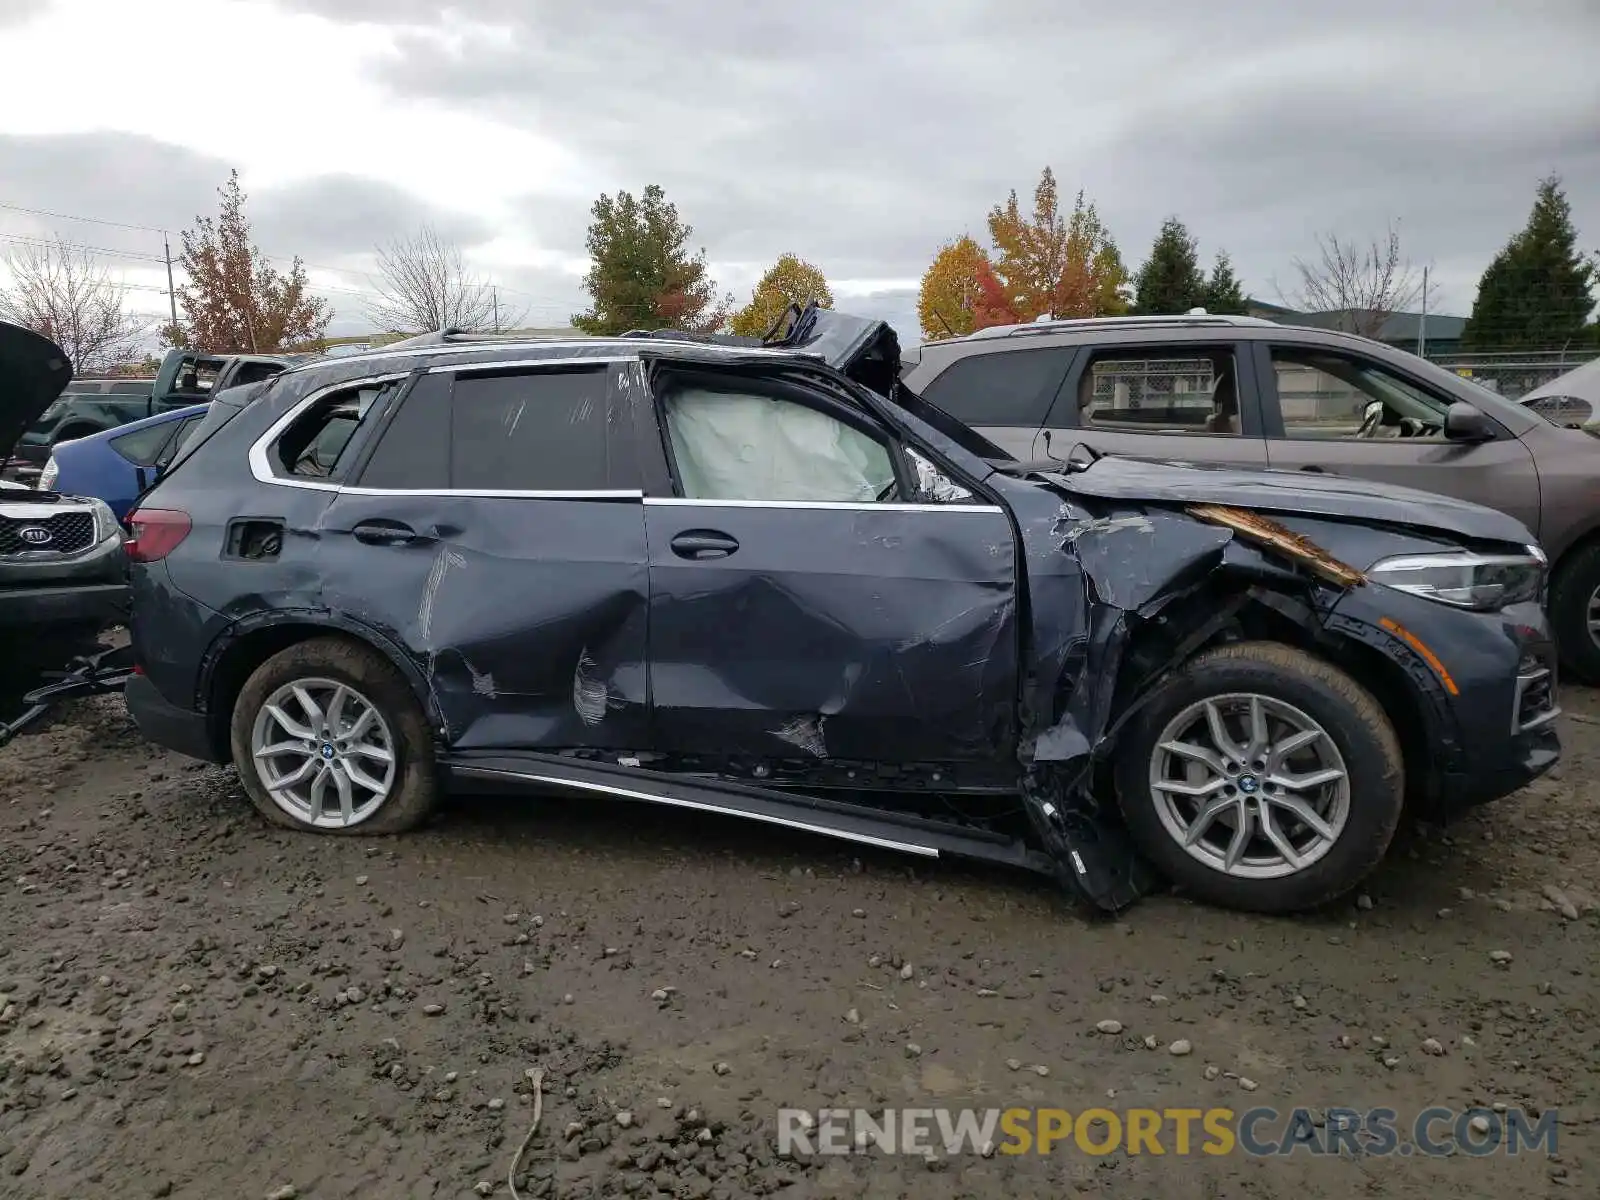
x,y
1250,785
324,753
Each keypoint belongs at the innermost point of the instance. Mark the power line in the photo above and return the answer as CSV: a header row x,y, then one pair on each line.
x,y
39,212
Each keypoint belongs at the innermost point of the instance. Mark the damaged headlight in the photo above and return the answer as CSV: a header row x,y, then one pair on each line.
x,y
1482,582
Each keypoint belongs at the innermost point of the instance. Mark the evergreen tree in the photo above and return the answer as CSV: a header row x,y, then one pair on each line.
x,y
641,274
1223,294
1170,282
1538,292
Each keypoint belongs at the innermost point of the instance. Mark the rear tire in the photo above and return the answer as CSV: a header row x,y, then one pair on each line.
x,y
338,712
1572,592
1290,720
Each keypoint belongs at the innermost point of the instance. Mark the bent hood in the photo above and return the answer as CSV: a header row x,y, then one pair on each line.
x,y
33,372
1335,496
865,349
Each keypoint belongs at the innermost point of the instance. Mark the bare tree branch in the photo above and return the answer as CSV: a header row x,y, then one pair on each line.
x,y
61,292
1365,285
423,285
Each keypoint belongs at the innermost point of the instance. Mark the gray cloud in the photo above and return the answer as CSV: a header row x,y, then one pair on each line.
x,y
332,216
861,136
333,220
20,12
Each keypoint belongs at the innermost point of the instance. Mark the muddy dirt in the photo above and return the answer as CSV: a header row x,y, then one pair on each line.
x,y
195,1005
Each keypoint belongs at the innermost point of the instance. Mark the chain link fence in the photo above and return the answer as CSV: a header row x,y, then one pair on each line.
x,y
1513,375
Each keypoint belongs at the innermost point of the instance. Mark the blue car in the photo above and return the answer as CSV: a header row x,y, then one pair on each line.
x,y
115,465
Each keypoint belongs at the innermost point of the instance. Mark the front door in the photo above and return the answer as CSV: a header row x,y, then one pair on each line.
x,y
1177,401
805,604
1346,414
491,532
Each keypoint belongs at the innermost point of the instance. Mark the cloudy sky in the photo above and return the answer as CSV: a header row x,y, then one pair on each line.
x,y
858,135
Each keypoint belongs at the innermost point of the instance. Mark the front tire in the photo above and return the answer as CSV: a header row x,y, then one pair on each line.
x,y
328,737
1261,778
1574,604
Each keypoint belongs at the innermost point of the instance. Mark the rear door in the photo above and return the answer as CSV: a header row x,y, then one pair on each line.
x,y
804,603
497,530
1183,401
1343,413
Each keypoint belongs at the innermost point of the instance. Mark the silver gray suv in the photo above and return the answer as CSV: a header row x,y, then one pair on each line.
x,y
1250,392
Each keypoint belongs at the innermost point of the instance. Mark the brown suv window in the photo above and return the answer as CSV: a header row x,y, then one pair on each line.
x,y
1323,395
1161,390
1007,387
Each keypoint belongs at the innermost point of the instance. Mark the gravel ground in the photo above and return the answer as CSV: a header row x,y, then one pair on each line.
x,y
195,1005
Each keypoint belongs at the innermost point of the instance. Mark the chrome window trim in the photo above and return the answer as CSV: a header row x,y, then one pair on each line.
x,y
261,468
825,505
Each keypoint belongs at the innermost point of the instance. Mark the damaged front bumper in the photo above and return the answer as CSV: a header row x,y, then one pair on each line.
x,y
1484,691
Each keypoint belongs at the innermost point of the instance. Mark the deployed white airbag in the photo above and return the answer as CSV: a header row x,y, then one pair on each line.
x,y
734,446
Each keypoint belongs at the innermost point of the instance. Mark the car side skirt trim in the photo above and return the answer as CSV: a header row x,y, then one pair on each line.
x,y
888,829
700,805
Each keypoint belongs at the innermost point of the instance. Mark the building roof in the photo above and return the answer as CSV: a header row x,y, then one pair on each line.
x,y
1399,328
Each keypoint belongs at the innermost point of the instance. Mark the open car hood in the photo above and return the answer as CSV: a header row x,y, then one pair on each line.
x,y
33,372
1336,496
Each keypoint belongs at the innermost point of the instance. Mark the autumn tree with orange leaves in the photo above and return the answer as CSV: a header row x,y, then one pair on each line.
x,y
790,281
1050,264
234,300
951,289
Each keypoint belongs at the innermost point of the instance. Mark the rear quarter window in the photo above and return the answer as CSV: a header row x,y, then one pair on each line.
x,y
1003,387
142,446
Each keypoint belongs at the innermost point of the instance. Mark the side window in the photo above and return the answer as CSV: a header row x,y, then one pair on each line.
x,y
185,428
1324,395
1006,387
196,377
1161,389
737,445
413,450
542,431
314,446
142,445
254,373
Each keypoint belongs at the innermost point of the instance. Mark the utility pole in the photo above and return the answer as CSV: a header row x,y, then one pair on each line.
x,y
1422,323
494,298
172,294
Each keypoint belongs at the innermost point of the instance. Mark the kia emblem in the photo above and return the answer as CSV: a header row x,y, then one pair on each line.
x,y
34,535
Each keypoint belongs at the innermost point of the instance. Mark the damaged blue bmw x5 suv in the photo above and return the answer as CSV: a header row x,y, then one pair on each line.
x,y
763,578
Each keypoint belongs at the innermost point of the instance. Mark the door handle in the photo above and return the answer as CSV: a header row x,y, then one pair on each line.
x,y
700,544
1315,470
379,532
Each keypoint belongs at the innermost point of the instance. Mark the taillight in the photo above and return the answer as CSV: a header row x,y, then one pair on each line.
x,y
157,532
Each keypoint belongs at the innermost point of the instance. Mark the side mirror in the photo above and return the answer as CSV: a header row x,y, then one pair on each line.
x,y
1464,422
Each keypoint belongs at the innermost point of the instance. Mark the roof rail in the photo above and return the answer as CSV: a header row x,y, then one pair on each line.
x,y
1185,320
450,335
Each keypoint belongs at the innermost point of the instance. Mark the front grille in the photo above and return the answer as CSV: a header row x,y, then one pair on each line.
x,y
1535,702
59,533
